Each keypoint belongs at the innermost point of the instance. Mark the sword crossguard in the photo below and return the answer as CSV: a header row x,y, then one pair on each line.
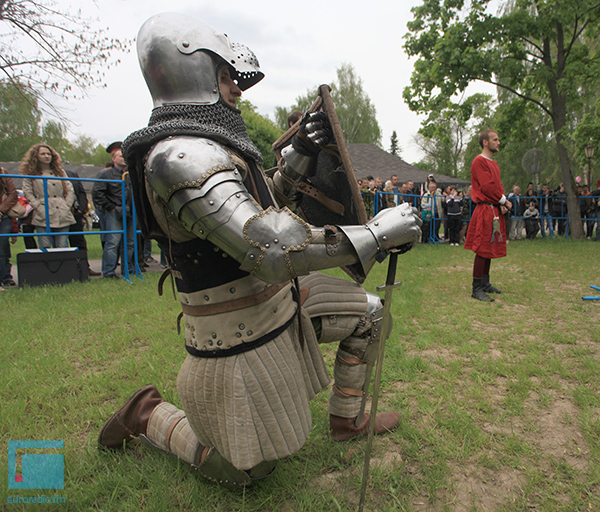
x,y
384,287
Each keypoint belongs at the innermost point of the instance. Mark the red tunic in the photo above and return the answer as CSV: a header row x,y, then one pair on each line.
x,y
486,187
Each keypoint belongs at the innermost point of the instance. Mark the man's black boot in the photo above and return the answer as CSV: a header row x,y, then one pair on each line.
x,y
486,286
478,292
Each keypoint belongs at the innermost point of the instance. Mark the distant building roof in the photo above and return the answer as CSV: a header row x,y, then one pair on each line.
x,y
368,159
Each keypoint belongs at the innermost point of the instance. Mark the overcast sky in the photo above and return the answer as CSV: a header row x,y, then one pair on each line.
x,y
298,44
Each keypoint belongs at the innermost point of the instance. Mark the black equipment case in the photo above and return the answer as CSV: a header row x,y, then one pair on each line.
x,y
52,267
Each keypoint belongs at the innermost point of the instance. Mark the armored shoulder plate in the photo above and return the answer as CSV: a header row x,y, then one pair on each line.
x,y
183,162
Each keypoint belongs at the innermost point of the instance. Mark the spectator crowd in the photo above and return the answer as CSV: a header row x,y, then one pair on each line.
x,y
446,211
55,205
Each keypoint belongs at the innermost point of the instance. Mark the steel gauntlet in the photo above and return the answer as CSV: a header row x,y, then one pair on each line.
x,y
300,157
391,228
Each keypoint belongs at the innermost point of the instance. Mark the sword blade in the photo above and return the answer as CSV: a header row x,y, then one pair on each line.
x,y
389,287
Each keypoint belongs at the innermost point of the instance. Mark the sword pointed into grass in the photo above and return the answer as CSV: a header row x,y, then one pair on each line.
x,y
388,288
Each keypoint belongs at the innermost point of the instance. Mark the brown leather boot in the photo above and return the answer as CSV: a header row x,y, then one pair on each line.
x,y
130,420
343,429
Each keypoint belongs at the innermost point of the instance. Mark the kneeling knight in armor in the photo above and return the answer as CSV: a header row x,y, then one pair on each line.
x,y
254,307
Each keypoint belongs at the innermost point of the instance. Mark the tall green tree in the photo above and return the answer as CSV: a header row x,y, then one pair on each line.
x,y
21,127
356,113
537,50
588,133
261,130
395,148
85,150
19,120
447,131
522,127
54,133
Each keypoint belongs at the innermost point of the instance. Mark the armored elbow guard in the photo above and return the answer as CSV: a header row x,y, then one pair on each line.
x,y
270,256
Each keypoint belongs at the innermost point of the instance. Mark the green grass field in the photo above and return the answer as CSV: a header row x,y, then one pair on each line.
x,y
500,401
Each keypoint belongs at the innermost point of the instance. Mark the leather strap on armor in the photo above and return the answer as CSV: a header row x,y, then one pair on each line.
x,y
245,347
359,355
179,317
163,277
170,431
348,360
232,305
346,392
331,240
311,191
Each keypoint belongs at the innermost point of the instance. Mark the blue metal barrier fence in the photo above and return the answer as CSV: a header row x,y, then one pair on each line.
x,y
49,232
588,218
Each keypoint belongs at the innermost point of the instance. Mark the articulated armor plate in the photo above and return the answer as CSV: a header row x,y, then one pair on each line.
x,y
200,184
296,165
174,165
375,314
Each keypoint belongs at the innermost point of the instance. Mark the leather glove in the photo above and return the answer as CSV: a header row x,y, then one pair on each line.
x,y
314,132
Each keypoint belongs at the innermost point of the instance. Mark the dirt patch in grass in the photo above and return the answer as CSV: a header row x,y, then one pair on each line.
x,y
475,488
547,430
556,432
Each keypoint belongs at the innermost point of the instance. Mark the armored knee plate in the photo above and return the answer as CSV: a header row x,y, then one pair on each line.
x,y
354,355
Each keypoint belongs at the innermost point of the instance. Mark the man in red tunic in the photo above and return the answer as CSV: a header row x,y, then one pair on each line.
x,y
487,234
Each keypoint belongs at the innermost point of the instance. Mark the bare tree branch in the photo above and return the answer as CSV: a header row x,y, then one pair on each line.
x,y
53,52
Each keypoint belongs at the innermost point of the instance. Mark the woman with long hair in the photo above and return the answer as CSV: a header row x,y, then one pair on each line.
x,y
42,160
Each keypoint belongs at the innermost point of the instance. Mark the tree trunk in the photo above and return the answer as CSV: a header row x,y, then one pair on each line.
x,y
559,122
574,213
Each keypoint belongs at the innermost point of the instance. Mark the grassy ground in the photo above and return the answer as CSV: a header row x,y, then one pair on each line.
x,y
500,402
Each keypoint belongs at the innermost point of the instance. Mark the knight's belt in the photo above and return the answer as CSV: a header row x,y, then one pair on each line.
x,y
217,326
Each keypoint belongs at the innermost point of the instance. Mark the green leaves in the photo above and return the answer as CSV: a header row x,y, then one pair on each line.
x,y
357,115
540,41
544,52
261,130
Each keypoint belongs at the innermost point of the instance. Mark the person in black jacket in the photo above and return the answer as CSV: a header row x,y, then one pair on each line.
x,y
108,199
595,210
80,208
587,207
8,199
454,212
546,210
559,207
